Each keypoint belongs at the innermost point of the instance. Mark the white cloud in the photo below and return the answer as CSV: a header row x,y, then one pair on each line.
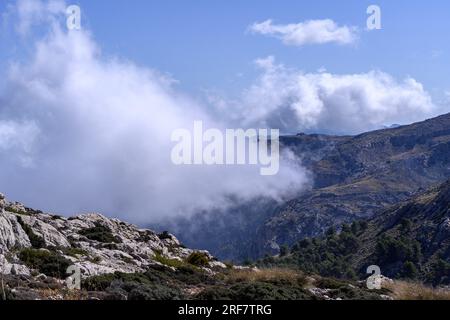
x,y
17,140
94,134
308,32
323,102
31,13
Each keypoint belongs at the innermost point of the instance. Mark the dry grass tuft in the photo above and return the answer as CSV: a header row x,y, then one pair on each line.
x,y
66,295
402,290
273,275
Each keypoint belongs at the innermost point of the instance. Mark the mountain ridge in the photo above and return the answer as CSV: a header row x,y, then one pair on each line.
x,y
354,177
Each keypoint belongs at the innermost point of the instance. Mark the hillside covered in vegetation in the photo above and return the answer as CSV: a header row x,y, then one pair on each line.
x,y
408,241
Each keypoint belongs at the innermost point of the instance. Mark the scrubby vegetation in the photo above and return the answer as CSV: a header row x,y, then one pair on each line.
x,y
194,260
440,272
47,262
329,256
198,259
391,250
175,263
255,291
273,275
160,283
408,242
400,256
164,235
15,210
74,252
339,255
100,233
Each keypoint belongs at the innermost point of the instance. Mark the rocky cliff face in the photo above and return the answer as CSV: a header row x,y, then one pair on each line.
x,y
92,242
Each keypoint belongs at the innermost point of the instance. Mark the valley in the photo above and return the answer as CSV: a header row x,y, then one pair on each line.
x,y
353,177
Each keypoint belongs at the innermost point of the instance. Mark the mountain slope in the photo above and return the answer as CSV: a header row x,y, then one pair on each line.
x,y
363,175
410,240
353,178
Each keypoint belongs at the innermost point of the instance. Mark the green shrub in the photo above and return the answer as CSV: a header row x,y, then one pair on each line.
x,y
346,228
74,252
440,273
254,291
192,275
247,262
102,282
47,262
390,250
175,263
405,225
327,255
15,211
152,285
363,225
330,283
98,283
331,232
198,259
164,235
154,292
409,270
100,233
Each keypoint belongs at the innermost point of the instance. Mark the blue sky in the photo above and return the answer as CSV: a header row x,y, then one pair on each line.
x,y
204,44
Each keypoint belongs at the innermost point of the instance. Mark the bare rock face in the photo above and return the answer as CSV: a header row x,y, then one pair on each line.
x,y
11,233
43,229
8,268
92,242
444,229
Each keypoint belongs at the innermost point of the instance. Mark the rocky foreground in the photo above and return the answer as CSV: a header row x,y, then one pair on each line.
x,y
38,248
119,261
92,242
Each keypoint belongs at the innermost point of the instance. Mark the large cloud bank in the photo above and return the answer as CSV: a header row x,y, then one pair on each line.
x,y
79,132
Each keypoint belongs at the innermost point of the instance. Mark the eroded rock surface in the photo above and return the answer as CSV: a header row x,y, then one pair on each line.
x,y
94,243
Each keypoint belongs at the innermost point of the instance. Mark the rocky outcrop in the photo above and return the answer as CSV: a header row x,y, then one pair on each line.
x,y
11,233
92,242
